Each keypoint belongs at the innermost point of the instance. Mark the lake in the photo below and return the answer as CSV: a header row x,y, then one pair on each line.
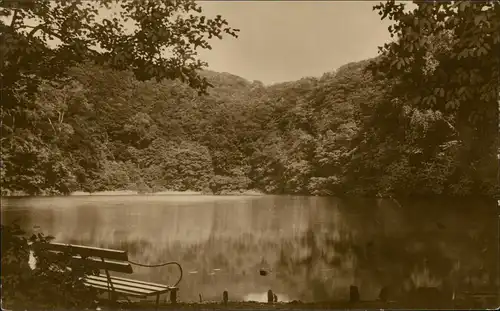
x,y
313,247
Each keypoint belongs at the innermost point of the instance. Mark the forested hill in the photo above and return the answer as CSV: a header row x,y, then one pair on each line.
x,y
335,135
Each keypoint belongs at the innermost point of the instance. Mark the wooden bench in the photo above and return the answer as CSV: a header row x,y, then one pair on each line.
x,y
107,260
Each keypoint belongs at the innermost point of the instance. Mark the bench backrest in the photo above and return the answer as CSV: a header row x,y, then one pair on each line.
x,y
95,257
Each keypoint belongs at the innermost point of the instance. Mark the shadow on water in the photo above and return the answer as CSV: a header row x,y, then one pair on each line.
x,y
314,248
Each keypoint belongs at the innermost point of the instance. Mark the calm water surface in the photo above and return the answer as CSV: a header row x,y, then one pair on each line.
x,y
314,247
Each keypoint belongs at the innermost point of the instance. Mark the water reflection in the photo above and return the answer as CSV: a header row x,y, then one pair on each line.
x,y
314,248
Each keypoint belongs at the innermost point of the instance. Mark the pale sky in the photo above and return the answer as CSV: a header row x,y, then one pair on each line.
x,y
283,41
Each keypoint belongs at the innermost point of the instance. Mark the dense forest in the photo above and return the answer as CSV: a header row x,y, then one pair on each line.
x,y
102,129
406,123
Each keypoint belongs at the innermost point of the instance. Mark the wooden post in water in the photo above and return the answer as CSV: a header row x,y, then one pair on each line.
x,y
353,294
270,296
225,297
275,297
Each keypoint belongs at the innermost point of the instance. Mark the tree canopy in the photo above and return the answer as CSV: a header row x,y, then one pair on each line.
x,y
42,40
444,73
155,39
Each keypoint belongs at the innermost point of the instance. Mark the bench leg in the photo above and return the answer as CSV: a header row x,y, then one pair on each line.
x,y
157,301
173,296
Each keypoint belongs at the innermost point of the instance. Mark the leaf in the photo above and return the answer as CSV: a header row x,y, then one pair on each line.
x,y
479,18
463,54
463,5
432,100
481,51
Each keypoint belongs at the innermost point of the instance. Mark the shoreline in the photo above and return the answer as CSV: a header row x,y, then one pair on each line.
x,y
131,192
250,192
137,193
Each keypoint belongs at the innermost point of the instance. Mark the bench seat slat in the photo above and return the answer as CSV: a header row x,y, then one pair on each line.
x,y
127,288
105,288
143,282
131,283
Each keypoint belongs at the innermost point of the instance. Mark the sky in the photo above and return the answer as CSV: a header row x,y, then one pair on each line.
x,y
287,40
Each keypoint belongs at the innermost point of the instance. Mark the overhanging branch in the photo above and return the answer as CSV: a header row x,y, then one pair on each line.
x,y
46,30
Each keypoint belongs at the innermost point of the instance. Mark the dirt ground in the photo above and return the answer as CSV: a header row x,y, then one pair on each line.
x,y
249,306
304,306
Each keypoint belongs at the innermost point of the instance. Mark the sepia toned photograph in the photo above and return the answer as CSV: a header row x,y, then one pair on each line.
x,y
241,155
